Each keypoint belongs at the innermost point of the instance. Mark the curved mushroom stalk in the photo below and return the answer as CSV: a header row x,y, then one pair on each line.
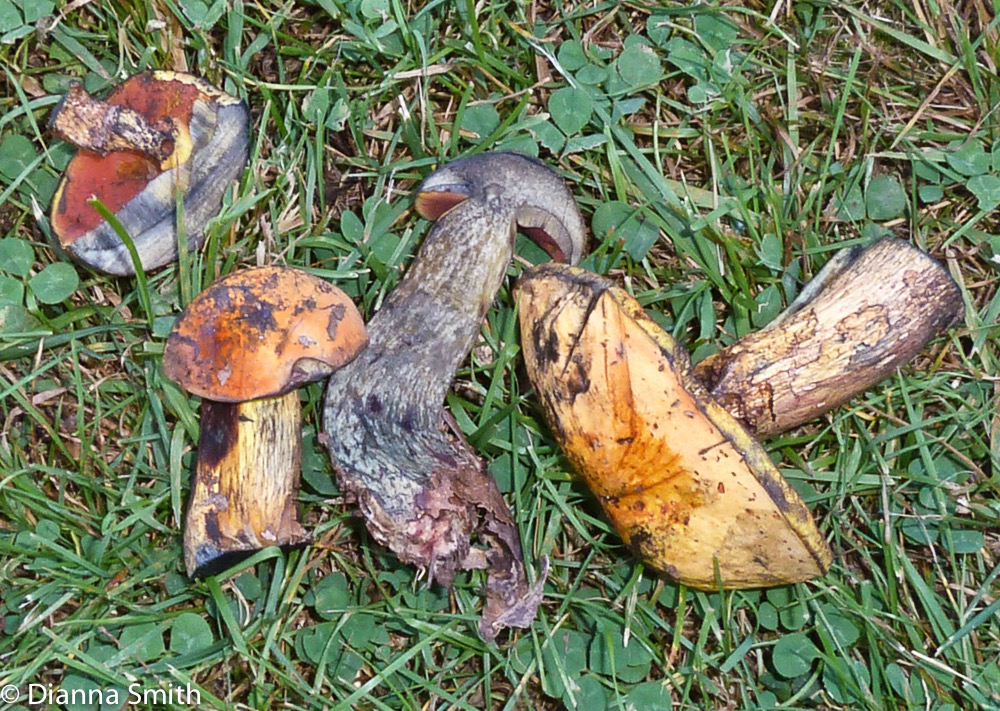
x,y
158,136
422,489
869,310
688,489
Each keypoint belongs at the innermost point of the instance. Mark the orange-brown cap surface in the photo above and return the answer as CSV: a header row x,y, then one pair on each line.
x,y
262,332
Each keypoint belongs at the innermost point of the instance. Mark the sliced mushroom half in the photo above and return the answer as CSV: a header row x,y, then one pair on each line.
x,y
686,486
160,144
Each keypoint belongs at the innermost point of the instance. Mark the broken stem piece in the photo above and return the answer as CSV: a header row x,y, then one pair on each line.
x,y
869,310
100,127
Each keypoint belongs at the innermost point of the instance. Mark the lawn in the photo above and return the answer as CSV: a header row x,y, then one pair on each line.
x,y
719,155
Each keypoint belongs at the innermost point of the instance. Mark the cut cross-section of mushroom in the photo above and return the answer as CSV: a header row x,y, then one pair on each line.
x,y
422,489
156,136
244,345
688,489
869,311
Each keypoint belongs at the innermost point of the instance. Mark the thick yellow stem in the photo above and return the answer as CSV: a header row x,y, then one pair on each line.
x,y
245,491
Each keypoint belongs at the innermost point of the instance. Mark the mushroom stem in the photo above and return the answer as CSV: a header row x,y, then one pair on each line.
x,y
245,491
101,127
868,311
421,487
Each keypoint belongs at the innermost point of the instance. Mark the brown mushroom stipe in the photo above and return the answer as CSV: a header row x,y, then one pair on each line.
x,y
244,345
869,310
423,491
688,489
685,484
158,134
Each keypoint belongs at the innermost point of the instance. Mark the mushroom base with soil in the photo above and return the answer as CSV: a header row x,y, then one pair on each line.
x,y
868,311
423,491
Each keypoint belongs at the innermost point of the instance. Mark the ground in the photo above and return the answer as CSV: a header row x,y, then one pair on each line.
x,y
719,156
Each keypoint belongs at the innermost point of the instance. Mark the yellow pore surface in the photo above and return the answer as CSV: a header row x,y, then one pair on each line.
x,y
685,485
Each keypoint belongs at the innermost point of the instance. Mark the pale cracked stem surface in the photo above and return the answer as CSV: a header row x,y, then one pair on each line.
x,y
88,123
422,489
853,325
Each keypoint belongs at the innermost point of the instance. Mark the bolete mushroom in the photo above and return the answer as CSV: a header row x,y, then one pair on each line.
x,y
687,486
868,311
158,135
244,345
423,491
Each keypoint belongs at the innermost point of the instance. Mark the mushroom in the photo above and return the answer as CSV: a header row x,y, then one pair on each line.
x,y
687,486
159,135
244,345
868,311
423,491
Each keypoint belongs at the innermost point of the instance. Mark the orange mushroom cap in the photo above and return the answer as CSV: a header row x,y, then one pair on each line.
x,y
262,332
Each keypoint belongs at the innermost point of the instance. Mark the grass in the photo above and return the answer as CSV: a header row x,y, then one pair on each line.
x,y
720,156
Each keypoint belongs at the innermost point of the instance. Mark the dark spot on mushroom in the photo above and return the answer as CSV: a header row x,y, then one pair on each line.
x,y
374,405
212,526
258,315
546,342
219,431
304,306
337,314
577,376
410,420
642,544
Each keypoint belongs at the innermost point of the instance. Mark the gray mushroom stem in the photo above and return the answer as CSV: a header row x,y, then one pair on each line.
x,y
424,492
